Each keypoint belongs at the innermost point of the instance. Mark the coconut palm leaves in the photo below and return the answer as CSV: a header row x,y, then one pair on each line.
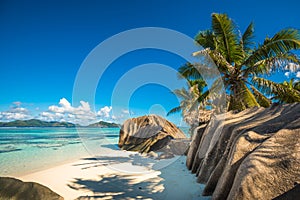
x,y
286,92
241,64
192,98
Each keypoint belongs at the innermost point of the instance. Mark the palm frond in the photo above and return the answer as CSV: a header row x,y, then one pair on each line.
x,y
223,65
200,83
282,42
280,92
247,97
203,98
242,98
247,38
227,38
182,93
218,86
297,86
262,100
266,86
271,64
174,110
194,106
189,71
206,39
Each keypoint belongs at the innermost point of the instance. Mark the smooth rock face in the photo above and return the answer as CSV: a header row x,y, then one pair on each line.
x,y
14,189
147,133
197,135
254,154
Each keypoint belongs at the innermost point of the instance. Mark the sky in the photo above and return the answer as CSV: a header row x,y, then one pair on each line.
x,y
45,43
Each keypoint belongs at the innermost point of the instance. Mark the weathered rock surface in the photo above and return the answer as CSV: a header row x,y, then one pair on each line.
x,y
254,154
14,189
197,135
175,147
147,133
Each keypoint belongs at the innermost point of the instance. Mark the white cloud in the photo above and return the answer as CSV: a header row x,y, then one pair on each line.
x,y
104,112
65,106
48,116
15,113
292,70
66,112
287,74
124,111
79,115
127,112
292,67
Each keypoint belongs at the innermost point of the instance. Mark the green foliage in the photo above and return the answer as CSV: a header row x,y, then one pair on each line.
x,y
286,92
191,99
261,99
227,38
247,39
241,63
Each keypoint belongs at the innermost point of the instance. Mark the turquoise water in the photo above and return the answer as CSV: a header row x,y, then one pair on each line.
x,y
26,150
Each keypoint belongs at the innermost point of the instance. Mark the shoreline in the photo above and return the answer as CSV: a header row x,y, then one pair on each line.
x,y
44,165
97,178
44,168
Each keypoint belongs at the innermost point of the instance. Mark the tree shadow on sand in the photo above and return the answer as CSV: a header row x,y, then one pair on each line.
x,y
146,178
171,182
134,159
119,187
102,161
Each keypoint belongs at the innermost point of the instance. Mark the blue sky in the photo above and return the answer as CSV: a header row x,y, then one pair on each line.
x,y
43,44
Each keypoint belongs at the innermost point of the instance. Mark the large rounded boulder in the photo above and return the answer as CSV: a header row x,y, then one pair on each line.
x,y
11,188
147,133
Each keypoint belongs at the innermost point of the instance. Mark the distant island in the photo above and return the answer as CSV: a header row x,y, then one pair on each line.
x,y
102,124
40,123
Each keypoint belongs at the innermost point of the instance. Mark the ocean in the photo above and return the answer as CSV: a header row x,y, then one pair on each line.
x,y
26,150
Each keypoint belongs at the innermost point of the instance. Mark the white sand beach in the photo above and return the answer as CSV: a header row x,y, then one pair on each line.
x,y
120,175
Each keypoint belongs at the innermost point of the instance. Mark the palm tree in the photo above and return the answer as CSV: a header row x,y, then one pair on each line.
x,y
243,65
192,100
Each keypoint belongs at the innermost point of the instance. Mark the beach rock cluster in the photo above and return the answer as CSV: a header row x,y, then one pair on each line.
x,y
254,154
148,133
11,188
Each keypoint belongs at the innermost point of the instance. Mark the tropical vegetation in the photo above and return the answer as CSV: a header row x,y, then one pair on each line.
x,y
244,66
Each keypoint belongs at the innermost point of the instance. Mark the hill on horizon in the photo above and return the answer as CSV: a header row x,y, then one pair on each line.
x,y
103,124
40,123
